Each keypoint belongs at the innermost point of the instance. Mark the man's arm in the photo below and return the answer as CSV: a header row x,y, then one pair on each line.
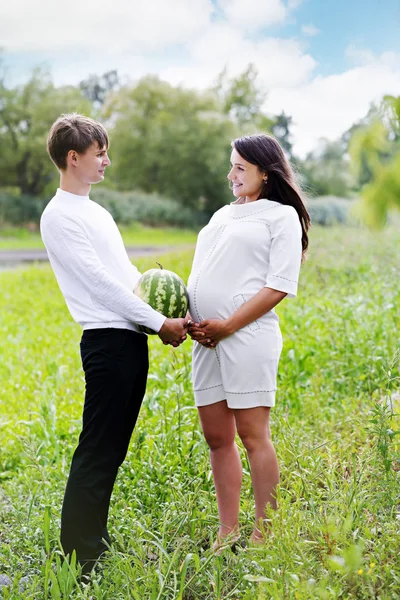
x,y
66,240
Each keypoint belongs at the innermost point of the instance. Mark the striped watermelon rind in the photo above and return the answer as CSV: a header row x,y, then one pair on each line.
x,y
165,291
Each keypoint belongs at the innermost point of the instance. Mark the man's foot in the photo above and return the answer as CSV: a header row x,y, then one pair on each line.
x,y
90,569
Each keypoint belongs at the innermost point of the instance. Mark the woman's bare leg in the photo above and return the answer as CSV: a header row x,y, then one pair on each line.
x,y
219,428
253,428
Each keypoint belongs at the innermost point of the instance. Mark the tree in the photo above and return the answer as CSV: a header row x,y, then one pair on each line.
x,y
26,115
326,170
171,141
359,146
241,98
378,147
96,88
281,130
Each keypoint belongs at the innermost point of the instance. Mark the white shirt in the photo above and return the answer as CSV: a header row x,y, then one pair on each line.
x,y
91,265
244,248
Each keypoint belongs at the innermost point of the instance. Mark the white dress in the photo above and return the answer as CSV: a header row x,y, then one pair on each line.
x,y
244,248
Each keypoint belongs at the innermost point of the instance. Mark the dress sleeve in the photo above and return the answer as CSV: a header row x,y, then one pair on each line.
x,y
285,254
66,240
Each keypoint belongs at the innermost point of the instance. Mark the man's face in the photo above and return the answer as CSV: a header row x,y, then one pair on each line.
x,y
89,167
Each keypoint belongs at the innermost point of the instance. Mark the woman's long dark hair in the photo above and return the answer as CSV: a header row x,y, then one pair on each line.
x,y
264,151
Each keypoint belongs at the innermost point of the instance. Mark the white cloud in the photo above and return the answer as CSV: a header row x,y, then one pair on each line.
x,y
359,56
100,27
293,4
137,37
310,30
327,106
279,62
254,14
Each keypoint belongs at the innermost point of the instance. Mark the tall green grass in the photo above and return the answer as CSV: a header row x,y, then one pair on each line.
x,y
134,234
336,533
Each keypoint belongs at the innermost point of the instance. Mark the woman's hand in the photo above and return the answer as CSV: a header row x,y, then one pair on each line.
x,y
209,332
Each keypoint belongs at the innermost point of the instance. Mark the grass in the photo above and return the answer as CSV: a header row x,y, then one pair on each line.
x,y
134,235
336,533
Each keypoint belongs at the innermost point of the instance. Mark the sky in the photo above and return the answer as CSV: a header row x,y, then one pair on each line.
x,y
321,61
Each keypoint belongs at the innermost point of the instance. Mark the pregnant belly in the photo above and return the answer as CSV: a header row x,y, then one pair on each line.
x,y
210,301
219,297
211,295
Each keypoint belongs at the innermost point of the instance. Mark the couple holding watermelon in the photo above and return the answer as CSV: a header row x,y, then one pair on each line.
x,y
247,260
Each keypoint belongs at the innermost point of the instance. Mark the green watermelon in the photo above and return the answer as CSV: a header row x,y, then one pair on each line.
x,y
165,292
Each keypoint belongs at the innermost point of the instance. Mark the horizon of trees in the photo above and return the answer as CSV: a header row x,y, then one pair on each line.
x,y
174,141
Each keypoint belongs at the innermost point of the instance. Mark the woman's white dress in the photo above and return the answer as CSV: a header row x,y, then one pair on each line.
x,y
244,248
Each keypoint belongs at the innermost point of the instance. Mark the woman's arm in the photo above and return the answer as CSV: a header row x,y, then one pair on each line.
x,y
216,330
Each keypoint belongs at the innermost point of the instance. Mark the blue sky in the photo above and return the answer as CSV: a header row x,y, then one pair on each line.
x,y
368,24
322,61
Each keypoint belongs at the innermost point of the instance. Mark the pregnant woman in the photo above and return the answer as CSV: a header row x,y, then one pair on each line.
x,y
247,260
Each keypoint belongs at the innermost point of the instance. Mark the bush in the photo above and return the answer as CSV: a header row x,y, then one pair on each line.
x,y
17,209
125,207
149,209
152,209
330,210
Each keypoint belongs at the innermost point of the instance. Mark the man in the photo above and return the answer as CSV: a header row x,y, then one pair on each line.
x,y
97,279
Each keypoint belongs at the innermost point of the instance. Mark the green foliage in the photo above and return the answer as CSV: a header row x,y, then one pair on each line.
x,y
280,129
335,534
382,194
326,170
241,98
368,146
170,141
96,88
126,207
134,235
26,114
17,209
174,144
377,148
361,171
148,209
329,210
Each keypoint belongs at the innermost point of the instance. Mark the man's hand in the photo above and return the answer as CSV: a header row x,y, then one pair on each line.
x,y
174,331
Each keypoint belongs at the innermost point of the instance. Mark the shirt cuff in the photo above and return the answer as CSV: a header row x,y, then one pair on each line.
x,y
281,284
155,321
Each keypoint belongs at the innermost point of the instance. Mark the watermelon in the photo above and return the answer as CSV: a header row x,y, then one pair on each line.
x,y
165,292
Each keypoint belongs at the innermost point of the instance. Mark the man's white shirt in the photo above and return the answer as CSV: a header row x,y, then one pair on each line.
x,y
91,265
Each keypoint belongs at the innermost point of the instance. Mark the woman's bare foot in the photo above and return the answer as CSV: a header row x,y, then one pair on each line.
x,y
261,533
226,537
257,538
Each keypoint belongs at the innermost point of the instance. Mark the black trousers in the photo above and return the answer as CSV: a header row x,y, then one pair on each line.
x,y
115,362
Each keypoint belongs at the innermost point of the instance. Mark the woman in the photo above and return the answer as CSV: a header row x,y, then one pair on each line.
x,y
247,260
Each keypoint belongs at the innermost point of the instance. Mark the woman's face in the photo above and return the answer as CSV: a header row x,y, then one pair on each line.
x,y
247,179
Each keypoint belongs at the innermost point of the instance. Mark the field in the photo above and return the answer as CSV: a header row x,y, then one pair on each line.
x,y
134,235
336,533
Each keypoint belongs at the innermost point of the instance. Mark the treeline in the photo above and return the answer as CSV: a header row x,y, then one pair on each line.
x,y
168,145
